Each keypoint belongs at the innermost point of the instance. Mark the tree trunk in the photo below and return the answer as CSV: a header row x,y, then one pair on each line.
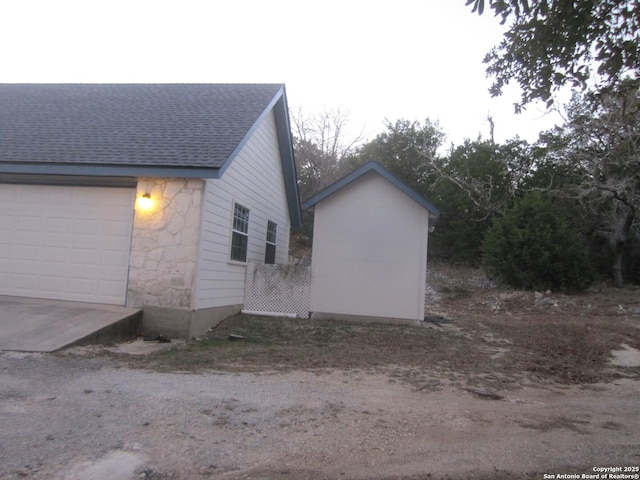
x,y
622,233
618,253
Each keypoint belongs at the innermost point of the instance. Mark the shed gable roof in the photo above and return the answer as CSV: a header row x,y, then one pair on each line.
x,y
358,173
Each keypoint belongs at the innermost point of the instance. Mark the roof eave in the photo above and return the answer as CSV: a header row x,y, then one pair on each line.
x,y
287,157
434,212
113,170
278,105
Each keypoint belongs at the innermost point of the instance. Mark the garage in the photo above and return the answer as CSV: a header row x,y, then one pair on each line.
x,y
65,242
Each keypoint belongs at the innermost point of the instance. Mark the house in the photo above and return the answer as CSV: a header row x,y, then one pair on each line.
x,y
370,248
144,195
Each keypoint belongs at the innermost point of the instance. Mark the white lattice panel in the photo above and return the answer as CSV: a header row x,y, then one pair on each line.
x,y
278,288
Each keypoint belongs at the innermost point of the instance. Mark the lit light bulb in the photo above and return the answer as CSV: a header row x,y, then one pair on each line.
x,y
145,203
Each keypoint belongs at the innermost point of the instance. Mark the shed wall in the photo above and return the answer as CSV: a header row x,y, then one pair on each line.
x,y
369,252
255,180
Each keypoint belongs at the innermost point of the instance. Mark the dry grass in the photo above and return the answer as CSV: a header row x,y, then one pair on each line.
x,y
497,339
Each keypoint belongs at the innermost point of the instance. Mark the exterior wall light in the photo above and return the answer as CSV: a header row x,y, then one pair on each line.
x,y
144,202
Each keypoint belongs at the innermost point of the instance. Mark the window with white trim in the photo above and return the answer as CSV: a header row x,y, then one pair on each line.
x,y
240,233
270,250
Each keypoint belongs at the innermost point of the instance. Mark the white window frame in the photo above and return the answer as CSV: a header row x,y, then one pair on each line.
x,y
272,238
239,229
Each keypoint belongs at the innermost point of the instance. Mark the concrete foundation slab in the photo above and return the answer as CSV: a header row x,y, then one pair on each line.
x,y
181,323
364,319
140,347
39,325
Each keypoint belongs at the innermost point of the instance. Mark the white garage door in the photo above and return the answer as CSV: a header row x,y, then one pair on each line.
x,y
65,243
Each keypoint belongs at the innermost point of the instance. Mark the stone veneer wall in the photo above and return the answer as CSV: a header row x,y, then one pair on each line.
x,y
164,247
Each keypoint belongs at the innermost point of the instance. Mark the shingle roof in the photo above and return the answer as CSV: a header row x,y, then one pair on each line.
x,y
372,166
161,125
119,131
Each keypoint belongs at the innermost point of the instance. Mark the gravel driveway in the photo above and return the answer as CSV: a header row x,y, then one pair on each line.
x,y
70,417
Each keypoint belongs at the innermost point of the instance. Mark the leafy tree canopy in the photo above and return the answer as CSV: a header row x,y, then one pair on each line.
x,y
552,43
600,145
405,149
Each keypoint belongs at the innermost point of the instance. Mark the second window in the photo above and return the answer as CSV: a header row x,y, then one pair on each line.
x,y
270,251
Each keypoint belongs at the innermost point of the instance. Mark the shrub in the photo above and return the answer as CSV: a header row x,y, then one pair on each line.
x,y
532,247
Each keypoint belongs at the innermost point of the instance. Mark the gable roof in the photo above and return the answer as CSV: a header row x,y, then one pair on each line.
x,y
145,125
372,166
119,130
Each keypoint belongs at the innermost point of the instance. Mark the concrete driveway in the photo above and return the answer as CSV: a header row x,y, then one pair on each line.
x,y
38,325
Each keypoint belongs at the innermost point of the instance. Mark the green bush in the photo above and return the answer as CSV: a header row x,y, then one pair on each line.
x,y
532,247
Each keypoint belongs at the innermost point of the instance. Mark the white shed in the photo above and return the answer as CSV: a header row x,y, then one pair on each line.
x,y
370,248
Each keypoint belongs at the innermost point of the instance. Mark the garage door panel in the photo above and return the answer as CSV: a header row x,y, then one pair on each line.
x,y
60,196
5,218
27,252
53,239
116,228
53,285
54,254
114,259
58,225
29,223
84,256
88,227
86,272
24,281
67,243
18,238
85,286
112,288
82,240
29,267
6,194
30,199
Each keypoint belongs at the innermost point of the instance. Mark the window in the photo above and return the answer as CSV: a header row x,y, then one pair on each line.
x,y
270,251
240,233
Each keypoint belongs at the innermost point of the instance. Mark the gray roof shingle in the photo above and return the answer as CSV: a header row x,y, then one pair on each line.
x,y
155,125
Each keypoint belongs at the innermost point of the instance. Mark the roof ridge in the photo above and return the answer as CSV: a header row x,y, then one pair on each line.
x,y
371,165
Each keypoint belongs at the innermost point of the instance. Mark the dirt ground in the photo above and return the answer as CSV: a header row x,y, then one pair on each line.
x,y
498,384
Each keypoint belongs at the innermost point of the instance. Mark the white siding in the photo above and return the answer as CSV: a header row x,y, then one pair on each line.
x,y
369,252
255,180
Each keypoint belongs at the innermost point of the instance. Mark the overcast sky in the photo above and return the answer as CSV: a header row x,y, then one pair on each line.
x,y
377,60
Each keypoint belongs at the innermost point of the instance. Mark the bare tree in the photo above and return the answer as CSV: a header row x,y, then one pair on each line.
x,y
321,141
489,174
